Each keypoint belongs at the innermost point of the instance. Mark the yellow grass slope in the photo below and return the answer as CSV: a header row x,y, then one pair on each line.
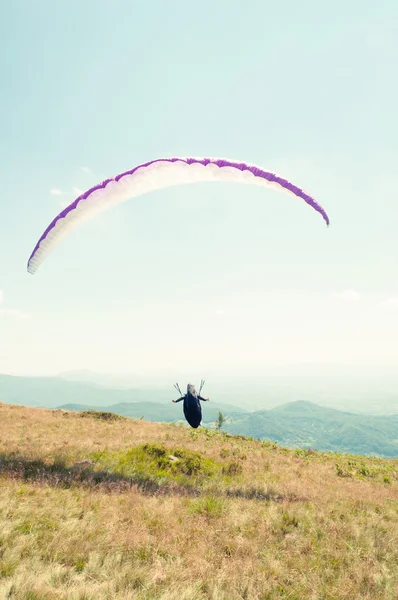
x,y
94,507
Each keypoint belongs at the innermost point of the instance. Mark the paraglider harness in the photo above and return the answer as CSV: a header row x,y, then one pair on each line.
x,y
191,406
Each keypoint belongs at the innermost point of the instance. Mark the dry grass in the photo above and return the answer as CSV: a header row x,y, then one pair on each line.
x,y
97,508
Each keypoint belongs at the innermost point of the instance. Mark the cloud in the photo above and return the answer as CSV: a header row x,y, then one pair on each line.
x,y
220,311
390,302
11,312
55,192
348,295
77,191
87,170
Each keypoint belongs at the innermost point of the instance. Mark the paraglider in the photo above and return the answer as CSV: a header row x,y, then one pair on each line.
x,y
154,175
192,407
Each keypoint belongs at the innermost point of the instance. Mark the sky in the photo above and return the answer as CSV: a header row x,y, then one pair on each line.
x,y
205,278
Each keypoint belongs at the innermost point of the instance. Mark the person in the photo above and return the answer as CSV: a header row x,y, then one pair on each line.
x,y
192,407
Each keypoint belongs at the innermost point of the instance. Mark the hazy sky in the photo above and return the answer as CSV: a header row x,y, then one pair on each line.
x,y
203,277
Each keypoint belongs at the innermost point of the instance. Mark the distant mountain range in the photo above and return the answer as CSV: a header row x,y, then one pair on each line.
x,y
307,425
297,424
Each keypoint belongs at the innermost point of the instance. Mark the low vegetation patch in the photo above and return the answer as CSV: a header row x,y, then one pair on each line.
x,y
158,463
101,415
210,507
366,469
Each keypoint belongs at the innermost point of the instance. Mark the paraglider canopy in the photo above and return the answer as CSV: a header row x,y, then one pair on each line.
x,y
153,175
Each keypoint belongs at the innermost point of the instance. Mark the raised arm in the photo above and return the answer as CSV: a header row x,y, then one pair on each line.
x,y
179,399
203,399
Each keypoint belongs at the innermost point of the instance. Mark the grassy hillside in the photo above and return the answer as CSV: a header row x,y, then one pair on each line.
x,y
95,506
